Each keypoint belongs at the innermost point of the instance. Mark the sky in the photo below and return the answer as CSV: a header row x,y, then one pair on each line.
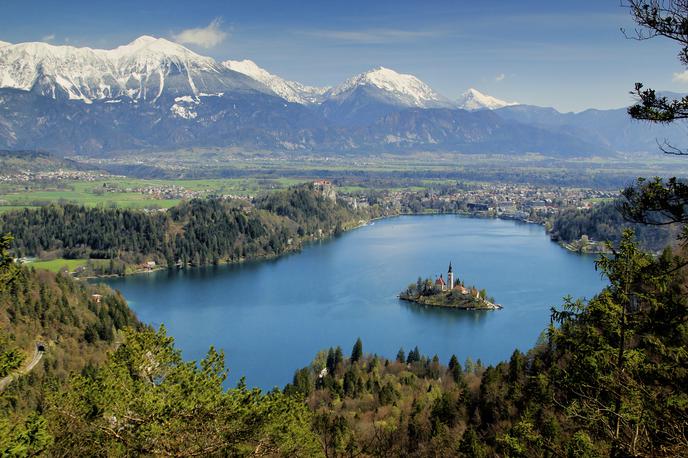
x,y
569,54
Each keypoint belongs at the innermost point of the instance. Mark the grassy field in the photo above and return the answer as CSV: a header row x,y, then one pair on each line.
x,y
80,192
55,265
122,192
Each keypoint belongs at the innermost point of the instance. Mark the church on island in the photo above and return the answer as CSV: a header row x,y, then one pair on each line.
x,y
447,293
449,285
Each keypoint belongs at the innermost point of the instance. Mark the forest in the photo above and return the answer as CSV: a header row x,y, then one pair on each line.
x,y
110,386
604,222
194,233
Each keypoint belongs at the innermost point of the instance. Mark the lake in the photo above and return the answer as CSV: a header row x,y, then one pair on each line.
x,y
271,317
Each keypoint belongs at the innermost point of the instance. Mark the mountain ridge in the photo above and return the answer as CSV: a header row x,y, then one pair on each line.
x,y
154,93
291,91
141,70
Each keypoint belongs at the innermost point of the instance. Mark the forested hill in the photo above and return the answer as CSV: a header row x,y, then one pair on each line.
x,y
108,386
197,232
35,161
75,327
603,222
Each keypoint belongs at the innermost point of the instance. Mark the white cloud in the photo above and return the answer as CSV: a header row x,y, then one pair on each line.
x,y
500,77
680,77
205,37
48,38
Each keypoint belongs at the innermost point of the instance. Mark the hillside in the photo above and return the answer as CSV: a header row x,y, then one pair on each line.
x,y
604,223
98,386
75,327
13,162
194,233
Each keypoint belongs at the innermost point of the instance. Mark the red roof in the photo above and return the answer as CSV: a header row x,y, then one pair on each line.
x,y
440,281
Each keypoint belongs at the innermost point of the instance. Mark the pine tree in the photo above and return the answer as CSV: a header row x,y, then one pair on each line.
x,y
338,357
453,362
401,356
357,351
469,365
455,369
413,356
331,363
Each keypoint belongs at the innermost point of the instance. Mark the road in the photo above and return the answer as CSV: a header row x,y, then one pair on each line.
x,y
38,354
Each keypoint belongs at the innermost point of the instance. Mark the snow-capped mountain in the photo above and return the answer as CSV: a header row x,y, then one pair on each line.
x,y
144,69
473,99
4,43
153,93
367,97
288,90
398,88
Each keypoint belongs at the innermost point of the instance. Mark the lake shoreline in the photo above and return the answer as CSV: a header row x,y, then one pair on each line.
x,y
333,292
298,247
489,306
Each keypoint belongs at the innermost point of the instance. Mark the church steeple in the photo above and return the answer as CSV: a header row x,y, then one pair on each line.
x,y
450,277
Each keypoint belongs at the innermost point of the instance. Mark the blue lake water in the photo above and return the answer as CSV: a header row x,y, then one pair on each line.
x,y
271,317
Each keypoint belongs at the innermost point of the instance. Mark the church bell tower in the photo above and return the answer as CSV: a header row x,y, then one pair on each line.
x,y
450,277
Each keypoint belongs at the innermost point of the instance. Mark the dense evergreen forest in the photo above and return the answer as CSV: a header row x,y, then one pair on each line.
x,y
604,222
75,322
198,232
108,386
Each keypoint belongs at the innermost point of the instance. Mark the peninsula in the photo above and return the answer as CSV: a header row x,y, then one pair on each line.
x,y
449,293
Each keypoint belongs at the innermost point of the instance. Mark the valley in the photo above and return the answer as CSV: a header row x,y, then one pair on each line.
x,y
204,205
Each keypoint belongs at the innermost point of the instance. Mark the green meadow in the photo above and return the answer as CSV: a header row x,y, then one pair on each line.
x,y
113,192
56,265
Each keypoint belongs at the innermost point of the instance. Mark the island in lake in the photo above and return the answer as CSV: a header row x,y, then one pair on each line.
x,y
449,293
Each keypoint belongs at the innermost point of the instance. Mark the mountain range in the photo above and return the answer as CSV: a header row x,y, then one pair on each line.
x,y
156,94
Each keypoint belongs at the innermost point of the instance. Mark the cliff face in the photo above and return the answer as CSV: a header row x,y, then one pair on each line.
x,y
325,189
